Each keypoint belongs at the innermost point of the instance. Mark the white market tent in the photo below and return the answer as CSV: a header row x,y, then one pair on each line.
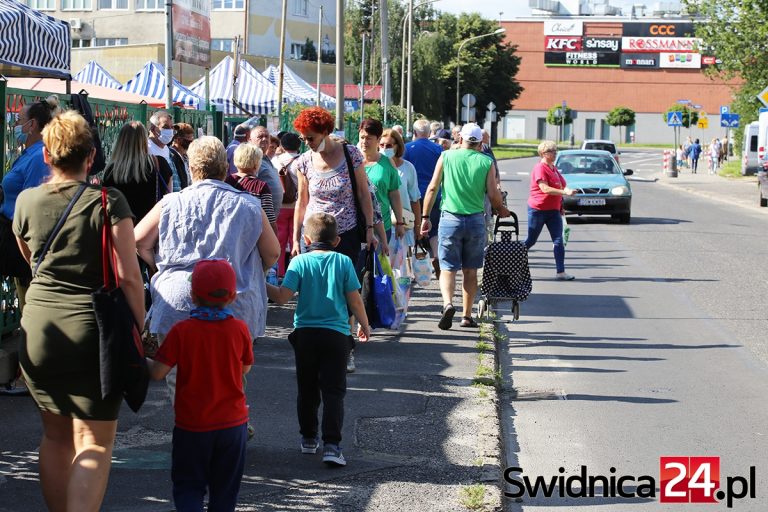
x,y
32,43
150,81
256,94
94,74
297,86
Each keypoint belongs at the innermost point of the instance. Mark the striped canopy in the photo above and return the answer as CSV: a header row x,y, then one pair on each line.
x,y
150,81
33,43
255,93
94,74
297,86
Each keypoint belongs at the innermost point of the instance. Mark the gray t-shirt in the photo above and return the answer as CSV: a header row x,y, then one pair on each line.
x,y
268,173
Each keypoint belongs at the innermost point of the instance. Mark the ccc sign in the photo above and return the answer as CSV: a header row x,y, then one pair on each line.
x,y
662,30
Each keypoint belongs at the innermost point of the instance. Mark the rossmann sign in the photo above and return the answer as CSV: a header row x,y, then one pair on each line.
x,y
660,44
660,29
602,44
562,44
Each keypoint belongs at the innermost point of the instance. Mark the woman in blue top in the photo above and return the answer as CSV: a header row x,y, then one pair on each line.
x,y
28,171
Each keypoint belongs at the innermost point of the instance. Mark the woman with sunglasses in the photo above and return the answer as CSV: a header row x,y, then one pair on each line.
x,y
545,205
325,185
183,135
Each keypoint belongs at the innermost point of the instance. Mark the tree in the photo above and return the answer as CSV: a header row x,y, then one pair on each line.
x,y
559,116
737,34
621,116
689,116
309,52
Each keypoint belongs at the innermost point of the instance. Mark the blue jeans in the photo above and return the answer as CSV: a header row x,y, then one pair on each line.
x,y
461,241
537,219
208,461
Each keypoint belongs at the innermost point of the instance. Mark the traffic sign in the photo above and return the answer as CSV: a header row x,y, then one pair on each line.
x,y
674,119
468,114
468,100
730,120
491,106
763,96
703,123
725,110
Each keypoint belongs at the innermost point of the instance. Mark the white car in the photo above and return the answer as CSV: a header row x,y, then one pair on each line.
x,y
602,145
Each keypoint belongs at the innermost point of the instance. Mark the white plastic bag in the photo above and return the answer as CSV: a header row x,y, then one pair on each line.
x,y
422,266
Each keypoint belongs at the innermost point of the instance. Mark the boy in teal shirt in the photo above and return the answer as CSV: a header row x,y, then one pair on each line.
x,y
328,293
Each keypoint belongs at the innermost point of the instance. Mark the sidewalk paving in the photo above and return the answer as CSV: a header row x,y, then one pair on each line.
x,y
416,431
736,191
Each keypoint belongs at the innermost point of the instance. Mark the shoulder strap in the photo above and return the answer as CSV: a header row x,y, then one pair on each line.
x,y
59,225
351,170
107,243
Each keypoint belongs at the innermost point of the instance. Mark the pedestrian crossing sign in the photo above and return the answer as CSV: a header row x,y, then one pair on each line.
x,y
674,119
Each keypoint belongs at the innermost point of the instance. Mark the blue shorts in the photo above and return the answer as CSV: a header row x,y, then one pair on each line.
x,y
461,241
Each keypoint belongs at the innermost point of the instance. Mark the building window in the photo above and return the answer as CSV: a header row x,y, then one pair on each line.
x,y
541,128
605,130
76,5
297,50
81,43
150,5
224,45
225,5
113,4
590,129
110,41
42,5
300,7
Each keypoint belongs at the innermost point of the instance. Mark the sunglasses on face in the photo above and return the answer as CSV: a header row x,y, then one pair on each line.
x,y
386,145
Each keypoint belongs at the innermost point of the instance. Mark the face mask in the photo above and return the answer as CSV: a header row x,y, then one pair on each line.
x,y
166,135
388,152
320,147
19,134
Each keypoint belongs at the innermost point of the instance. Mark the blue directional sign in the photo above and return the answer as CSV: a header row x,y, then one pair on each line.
x,y
725,110
674,119
762,109
730,120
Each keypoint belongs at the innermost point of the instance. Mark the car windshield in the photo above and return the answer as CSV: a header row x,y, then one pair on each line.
x,y
602,146
586,164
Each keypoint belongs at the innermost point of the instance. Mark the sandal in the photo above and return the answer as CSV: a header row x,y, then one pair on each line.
x,y
468,321
446,321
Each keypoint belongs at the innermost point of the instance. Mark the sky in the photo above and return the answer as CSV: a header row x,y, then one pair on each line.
x,y
490,9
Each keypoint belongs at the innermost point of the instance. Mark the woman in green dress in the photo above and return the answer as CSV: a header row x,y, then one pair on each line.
x,y
60,357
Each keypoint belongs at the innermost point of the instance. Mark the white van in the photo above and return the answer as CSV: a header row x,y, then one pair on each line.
x,y
762,139
749,163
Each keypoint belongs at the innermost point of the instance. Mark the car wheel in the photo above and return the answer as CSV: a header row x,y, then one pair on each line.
x,y
763,199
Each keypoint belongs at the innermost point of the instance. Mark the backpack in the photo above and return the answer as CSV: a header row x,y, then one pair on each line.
x,y
290,190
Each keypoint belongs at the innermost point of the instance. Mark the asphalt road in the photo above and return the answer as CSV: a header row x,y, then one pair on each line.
x,y
656,349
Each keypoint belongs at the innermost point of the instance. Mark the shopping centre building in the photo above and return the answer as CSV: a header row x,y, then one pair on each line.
x,y
594,64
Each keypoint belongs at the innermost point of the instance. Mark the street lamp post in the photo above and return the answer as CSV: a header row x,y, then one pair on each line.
x,y
406,19
458,67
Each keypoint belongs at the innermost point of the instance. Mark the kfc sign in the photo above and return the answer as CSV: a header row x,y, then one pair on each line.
x,y
660,44
602,44
562,44
563,28
661,29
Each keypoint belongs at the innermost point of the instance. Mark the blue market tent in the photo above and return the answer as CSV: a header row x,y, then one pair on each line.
x,y
297,86
254,92
94,74
32,43
150,81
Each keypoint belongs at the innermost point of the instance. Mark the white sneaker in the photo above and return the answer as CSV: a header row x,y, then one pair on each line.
x,y
562,276
351,362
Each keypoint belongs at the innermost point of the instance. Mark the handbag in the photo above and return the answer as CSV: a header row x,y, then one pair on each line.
x,y
12,263
366,284
360,228
422,266
122,367
290,191
382,295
